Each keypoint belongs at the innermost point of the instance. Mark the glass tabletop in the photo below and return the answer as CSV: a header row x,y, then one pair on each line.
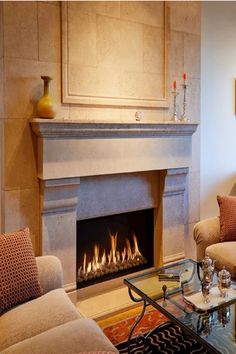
x,y
166,288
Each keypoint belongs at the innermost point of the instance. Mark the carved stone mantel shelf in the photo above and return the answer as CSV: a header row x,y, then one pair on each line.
x,y
62,128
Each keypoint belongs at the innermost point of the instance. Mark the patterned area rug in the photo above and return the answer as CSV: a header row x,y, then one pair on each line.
x,y
164,337
117,327
168,338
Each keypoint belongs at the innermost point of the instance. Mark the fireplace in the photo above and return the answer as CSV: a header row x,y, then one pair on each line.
x,y
112,246
75,161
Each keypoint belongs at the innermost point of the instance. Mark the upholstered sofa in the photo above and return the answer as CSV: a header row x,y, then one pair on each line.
x,y
206,234
50,324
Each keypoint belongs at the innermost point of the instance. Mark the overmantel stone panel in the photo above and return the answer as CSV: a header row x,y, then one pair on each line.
x,y
72,149
123,57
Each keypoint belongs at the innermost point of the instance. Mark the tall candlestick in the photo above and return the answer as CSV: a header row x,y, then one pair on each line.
x,y
175,94
184,117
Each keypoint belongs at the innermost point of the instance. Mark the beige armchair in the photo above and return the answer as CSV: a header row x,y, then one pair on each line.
x,y
206,234
50,324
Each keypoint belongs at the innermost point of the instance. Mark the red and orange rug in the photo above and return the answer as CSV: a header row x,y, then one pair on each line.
x,y
117,327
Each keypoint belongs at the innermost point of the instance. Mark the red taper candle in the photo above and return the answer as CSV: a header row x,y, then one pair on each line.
x,y
174,85
185,77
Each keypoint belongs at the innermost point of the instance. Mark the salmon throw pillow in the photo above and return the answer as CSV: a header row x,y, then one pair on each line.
x,y
227,205
19,281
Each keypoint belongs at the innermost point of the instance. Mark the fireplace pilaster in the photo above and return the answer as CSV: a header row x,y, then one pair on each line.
x,y
58,204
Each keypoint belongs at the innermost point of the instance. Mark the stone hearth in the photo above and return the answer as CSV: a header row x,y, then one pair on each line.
x,y
71,153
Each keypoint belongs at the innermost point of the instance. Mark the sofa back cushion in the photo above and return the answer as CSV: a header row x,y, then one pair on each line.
x,y
19,281
227,205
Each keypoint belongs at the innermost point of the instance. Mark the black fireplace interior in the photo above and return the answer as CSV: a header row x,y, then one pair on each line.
x,y
114,245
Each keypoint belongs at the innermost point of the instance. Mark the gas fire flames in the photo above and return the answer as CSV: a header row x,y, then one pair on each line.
x,y
111,262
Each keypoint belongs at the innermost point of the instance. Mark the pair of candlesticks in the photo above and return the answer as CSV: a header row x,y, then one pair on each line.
x,y
175,93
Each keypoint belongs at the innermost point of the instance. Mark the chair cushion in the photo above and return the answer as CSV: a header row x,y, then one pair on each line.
x,y
19,281
36,316
227,205
224,254
205,233
79,336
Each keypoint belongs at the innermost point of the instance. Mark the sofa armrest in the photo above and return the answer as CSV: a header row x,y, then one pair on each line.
x,y
206,233
50,273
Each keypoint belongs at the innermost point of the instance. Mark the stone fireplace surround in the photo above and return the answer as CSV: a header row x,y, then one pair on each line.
x,y
77,159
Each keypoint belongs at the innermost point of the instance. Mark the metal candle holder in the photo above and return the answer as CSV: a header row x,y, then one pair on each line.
x,y
184,117
174,116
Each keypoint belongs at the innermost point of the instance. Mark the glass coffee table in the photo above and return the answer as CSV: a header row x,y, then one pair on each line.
x,y
166,288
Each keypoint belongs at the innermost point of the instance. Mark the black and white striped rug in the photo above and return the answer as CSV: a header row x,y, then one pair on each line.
x,y
168,338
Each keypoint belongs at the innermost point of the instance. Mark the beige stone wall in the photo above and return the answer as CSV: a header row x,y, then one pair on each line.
x,y
185,39
31,48
1,111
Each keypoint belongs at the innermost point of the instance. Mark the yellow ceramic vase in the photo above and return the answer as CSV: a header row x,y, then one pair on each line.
x,y
46,107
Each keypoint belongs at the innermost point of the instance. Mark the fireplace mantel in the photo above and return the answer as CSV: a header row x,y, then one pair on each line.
x,y
68,149
69,152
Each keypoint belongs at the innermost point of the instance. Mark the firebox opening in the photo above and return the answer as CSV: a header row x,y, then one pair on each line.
x,y
111,246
